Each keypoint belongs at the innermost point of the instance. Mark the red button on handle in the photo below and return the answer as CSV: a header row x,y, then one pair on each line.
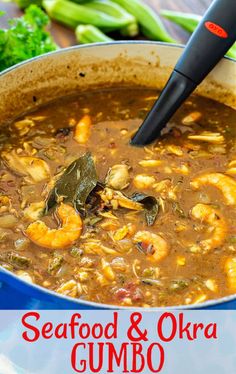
x,y
216,29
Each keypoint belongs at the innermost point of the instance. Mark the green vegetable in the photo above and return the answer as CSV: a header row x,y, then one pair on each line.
x,y
110,8
232,51
151,206
14,259
90,34
76,252
22,4
55,263
25,38
72,15
178,285
75,184
116,11
80,1
130,30
151,24
189,22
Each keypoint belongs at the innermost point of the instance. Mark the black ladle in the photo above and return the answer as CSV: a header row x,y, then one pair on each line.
x,y
211,40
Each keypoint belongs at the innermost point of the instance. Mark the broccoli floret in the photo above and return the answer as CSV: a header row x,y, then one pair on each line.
x,y
25,38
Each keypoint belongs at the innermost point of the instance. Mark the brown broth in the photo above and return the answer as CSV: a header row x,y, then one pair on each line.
x,y
188,273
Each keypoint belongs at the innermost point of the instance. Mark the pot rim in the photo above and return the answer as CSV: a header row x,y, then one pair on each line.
x,y
89,304
100,44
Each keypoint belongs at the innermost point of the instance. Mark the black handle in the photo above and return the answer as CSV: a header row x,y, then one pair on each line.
x,y
177,89
212,39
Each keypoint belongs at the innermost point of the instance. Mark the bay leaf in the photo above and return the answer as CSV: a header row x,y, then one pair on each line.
x,y
75,184
151,206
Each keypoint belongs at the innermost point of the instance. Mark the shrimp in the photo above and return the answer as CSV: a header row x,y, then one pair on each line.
x,y
191,118
62,237
230,269
154,245
205,213
83,130
226,184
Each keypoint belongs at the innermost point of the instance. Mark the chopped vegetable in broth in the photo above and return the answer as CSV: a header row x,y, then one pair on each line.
x,y
87,215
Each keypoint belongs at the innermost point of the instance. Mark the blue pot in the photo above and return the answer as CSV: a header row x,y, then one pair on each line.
x,y
18,294
39,80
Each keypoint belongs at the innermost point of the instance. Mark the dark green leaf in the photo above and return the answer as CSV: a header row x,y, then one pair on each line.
x,y
151,206
75,184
